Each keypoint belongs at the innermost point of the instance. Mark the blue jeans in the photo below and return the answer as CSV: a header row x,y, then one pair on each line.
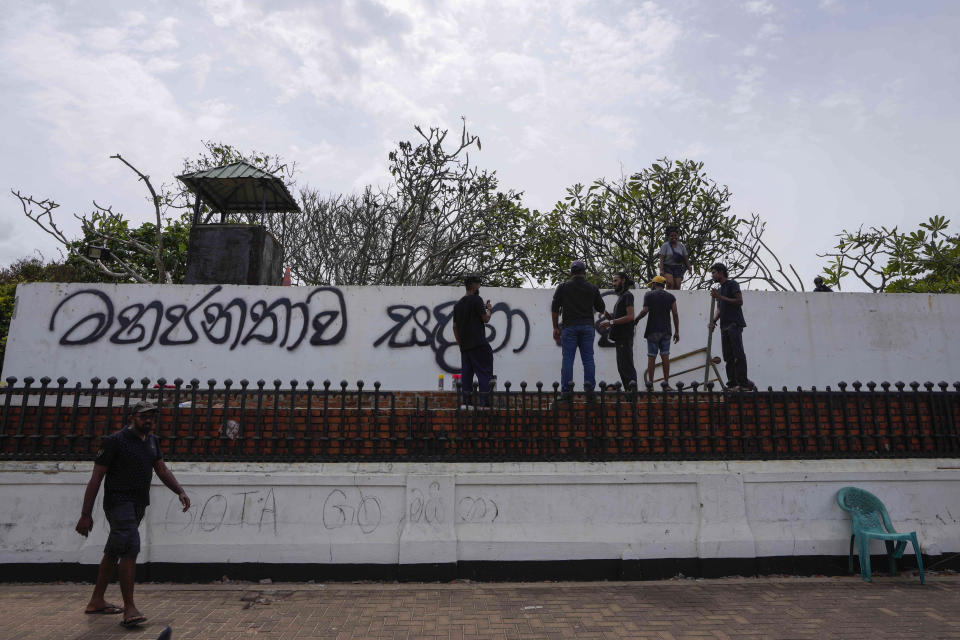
x,y
579,336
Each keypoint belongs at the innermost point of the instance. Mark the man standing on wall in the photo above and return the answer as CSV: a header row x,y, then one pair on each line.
x,y
659,304
470,316
576,299
128,459
621,329
730,317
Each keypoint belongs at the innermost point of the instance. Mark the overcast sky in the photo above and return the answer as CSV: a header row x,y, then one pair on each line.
x,y
818,115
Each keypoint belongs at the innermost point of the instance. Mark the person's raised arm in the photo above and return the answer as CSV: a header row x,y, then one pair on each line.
x,y
736,300
89,497
166,477
485,314
662,256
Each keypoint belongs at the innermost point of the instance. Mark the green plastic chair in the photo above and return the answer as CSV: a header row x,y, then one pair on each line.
x,y
869,519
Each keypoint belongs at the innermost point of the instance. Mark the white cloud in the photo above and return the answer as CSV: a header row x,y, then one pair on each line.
x,y
560,92
746,89
759,7
832,6
769,30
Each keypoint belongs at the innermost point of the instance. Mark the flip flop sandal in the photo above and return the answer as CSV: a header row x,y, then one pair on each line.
x,y
133,622
108,610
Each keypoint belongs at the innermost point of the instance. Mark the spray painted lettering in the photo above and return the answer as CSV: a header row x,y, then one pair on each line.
x,y
244,509
412,328
237,321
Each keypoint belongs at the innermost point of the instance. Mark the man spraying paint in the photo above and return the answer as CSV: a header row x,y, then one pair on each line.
x,y
470,316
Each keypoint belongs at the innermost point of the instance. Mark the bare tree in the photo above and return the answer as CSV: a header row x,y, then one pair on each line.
x,y
109,230
441,219
750,260
340,239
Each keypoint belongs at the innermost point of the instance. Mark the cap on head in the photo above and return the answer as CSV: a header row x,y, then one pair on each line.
x,y
657,280
142,407
578,266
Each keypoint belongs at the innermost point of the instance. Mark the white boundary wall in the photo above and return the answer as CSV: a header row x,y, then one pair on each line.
x,y
443,513
387,333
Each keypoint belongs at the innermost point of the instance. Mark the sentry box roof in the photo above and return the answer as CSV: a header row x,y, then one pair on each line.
x,y
239,187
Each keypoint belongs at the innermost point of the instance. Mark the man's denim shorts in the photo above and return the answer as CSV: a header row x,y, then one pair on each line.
x,y
662,347
124,538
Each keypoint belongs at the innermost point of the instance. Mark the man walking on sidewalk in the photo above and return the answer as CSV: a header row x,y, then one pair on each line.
x,y
659,304
470,317
574,303
730,317
127,459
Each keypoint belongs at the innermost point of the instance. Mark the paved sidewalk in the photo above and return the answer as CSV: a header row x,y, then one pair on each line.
x,y
897,608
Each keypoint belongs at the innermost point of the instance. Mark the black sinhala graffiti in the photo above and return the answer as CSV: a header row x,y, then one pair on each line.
x,y
237,321
412,328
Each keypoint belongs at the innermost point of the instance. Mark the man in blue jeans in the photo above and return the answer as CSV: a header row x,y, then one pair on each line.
x,y
574,304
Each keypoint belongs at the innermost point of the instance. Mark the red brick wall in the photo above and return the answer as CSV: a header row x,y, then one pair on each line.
x,y
427,425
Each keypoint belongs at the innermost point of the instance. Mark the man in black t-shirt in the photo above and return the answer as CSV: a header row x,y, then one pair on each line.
x,y
660,305
127,459
470,316
730,318
621,329
573,305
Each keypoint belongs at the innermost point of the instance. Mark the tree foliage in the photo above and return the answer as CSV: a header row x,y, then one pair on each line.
x,y
29,269
614,225
441,219
925,260
129,249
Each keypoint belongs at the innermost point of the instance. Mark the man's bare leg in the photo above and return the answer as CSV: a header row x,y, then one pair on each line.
x,y
665,359
128,568
651,365
104,576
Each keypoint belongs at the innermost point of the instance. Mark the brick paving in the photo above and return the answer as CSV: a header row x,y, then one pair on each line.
x,y
897,608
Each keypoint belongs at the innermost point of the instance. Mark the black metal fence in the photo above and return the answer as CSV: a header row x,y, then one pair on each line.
x,y
45,419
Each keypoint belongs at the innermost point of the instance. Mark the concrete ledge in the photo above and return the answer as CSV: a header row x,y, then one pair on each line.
x,y
440,521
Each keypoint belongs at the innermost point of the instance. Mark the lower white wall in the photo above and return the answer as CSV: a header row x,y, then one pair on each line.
x,y
444,513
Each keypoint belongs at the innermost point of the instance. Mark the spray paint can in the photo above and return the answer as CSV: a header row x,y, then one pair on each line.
x,y
440,382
